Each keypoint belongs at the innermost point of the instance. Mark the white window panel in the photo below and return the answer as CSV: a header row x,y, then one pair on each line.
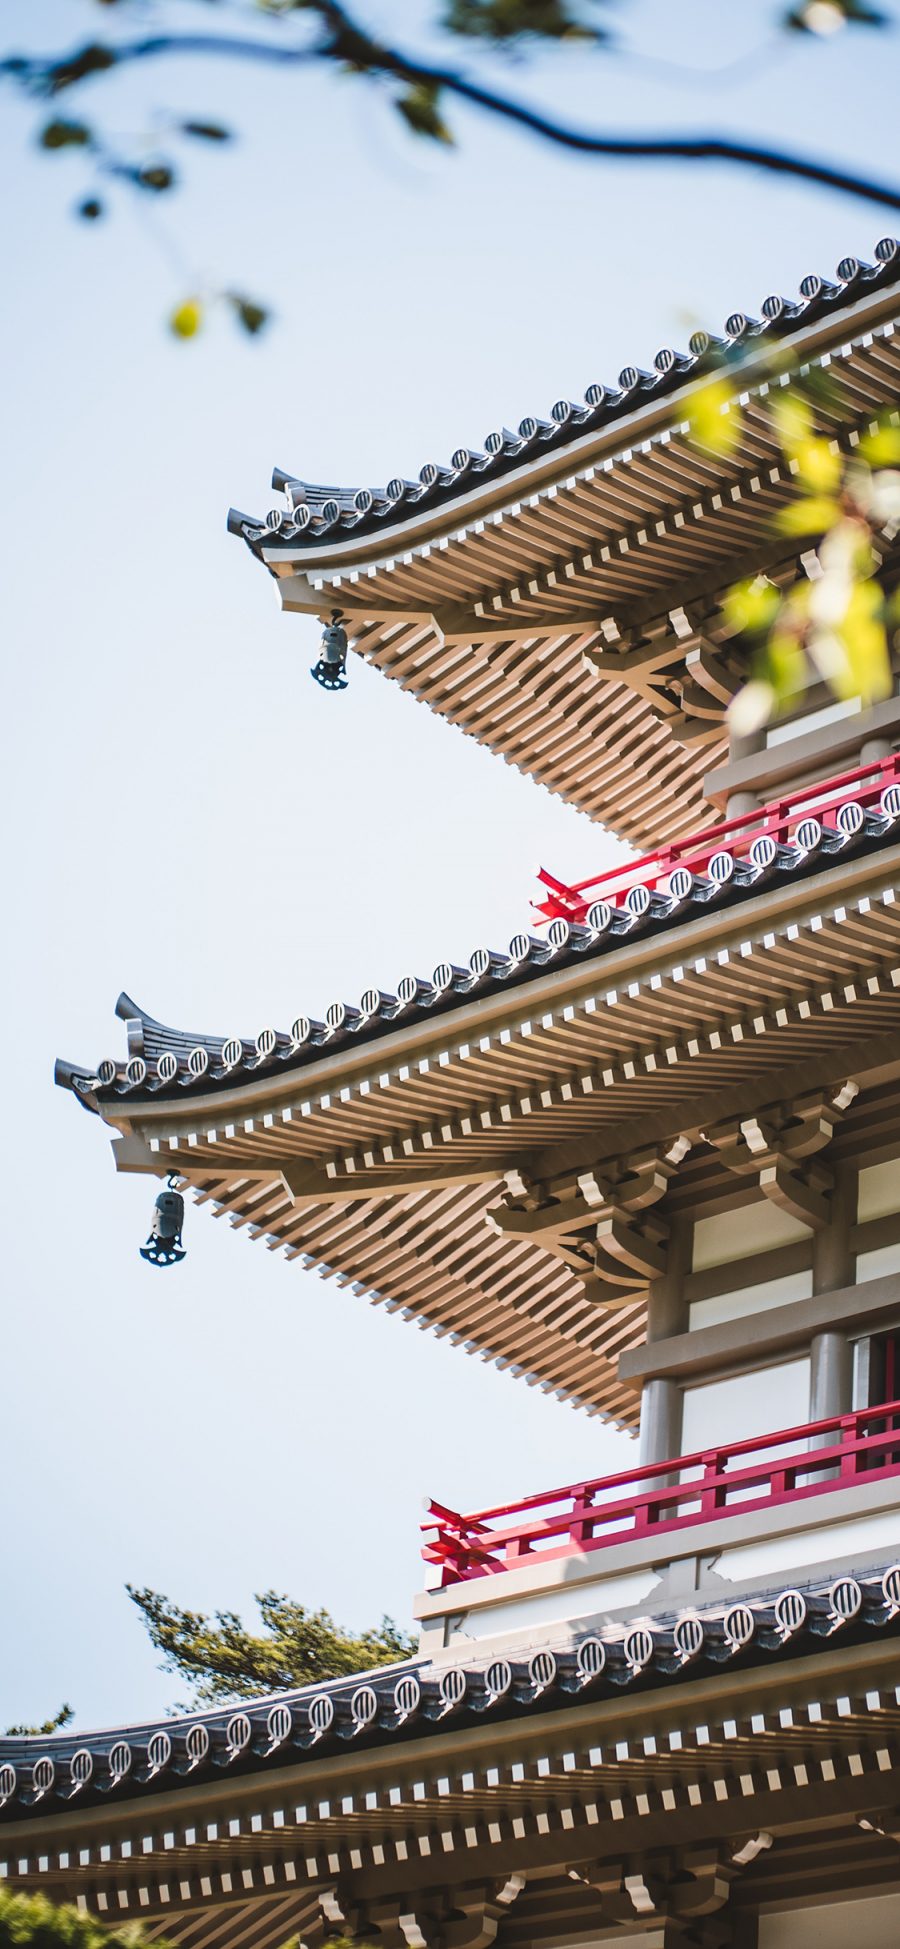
x,y
879,1191
736,1234
750,1299
874,1265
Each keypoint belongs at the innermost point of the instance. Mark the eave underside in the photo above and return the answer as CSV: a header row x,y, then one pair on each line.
x,y
516,627
389,1183
724,1794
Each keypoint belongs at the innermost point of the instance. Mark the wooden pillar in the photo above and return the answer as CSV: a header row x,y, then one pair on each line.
x,y
831,1355
739,805
661,1399
661,1405
874,750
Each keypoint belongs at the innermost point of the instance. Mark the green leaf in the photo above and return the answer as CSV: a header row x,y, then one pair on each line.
x,y
156,176
206,131
252,316
60,134
95,58
505,21
187,319
419,108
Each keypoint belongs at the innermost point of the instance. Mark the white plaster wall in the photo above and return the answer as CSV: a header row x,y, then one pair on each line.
x,y
735,1234
751,1299
749,1404
872,1923
820,1543
796,727
586,1600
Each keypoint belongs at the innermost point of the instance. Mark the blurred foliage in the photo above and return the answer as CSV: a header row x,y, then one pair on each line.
x,y
33,1922
835,624
712,422
187,318
506,21
828,16
223,1661
417,90
419,108
63,1717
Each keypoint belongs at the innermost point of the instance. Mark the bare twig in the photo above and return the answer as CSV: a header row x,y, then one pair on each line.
x,y
350,44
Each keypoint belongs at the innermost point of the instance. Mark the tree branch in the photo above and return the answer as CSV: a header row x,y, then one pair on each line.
x,y
349,44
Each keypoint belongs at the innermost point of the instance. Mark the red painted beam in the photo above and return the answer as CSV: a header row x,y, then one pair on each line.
x,y
587,1516
865,785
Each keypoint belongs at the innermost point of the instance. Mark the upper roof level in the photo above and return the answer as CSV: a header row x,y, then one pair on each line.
x,y
546,593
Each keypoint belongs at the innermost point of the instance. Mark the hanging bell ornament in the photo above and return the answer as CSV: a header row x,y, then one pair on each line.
x,y
164,1245
331,667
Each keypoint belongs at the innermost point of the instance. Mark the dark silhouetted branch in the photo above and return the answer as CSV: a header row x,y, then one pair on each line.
x,y
351,45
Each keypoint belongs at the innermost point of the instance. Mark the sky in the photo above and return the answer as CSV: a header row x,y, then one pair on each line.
x,y
184,814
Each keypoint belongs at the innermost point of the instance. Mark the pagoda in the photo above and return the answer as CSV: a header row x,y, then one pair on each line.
x,y
647,1159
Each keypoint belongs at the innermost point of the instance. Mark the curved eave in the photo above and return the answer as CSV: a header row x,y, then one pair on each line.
x,y
494,989
810,329
380,1165
412,1707
555,613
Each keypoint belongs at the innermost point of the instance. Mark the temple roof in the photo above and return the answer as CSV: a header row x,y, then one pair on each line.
x,y
378,1153
546,595
45,1775
315,510
740,1752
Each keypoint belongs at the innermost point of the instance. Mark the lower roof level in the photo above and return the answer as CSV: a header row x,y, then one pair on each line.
x,y
671,1769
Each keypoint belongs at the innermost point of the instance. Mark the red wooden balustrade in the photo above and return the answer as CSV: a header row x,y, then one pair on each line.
x,y
658,1500
778,819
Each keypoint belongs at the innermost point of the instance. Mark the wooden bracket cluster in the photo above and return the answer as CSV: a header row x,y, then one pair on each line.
x,y
683,674
685,1893
602,1224
780,1146
461,1918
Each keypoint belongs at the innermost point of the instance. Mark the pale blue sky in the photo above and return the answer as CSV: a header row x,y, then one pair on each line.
x,y
187,816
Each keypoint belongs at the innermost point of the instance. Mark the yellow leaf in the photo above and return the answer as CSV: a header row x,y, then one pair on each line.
x,y
817,467
187,319
793,420
862,634
711,423
881,448
786,668
751,607
811,516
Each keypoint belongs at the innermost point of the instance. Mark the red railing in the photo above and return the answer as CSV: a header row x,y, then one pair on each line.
x,y
657,1500
778,818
